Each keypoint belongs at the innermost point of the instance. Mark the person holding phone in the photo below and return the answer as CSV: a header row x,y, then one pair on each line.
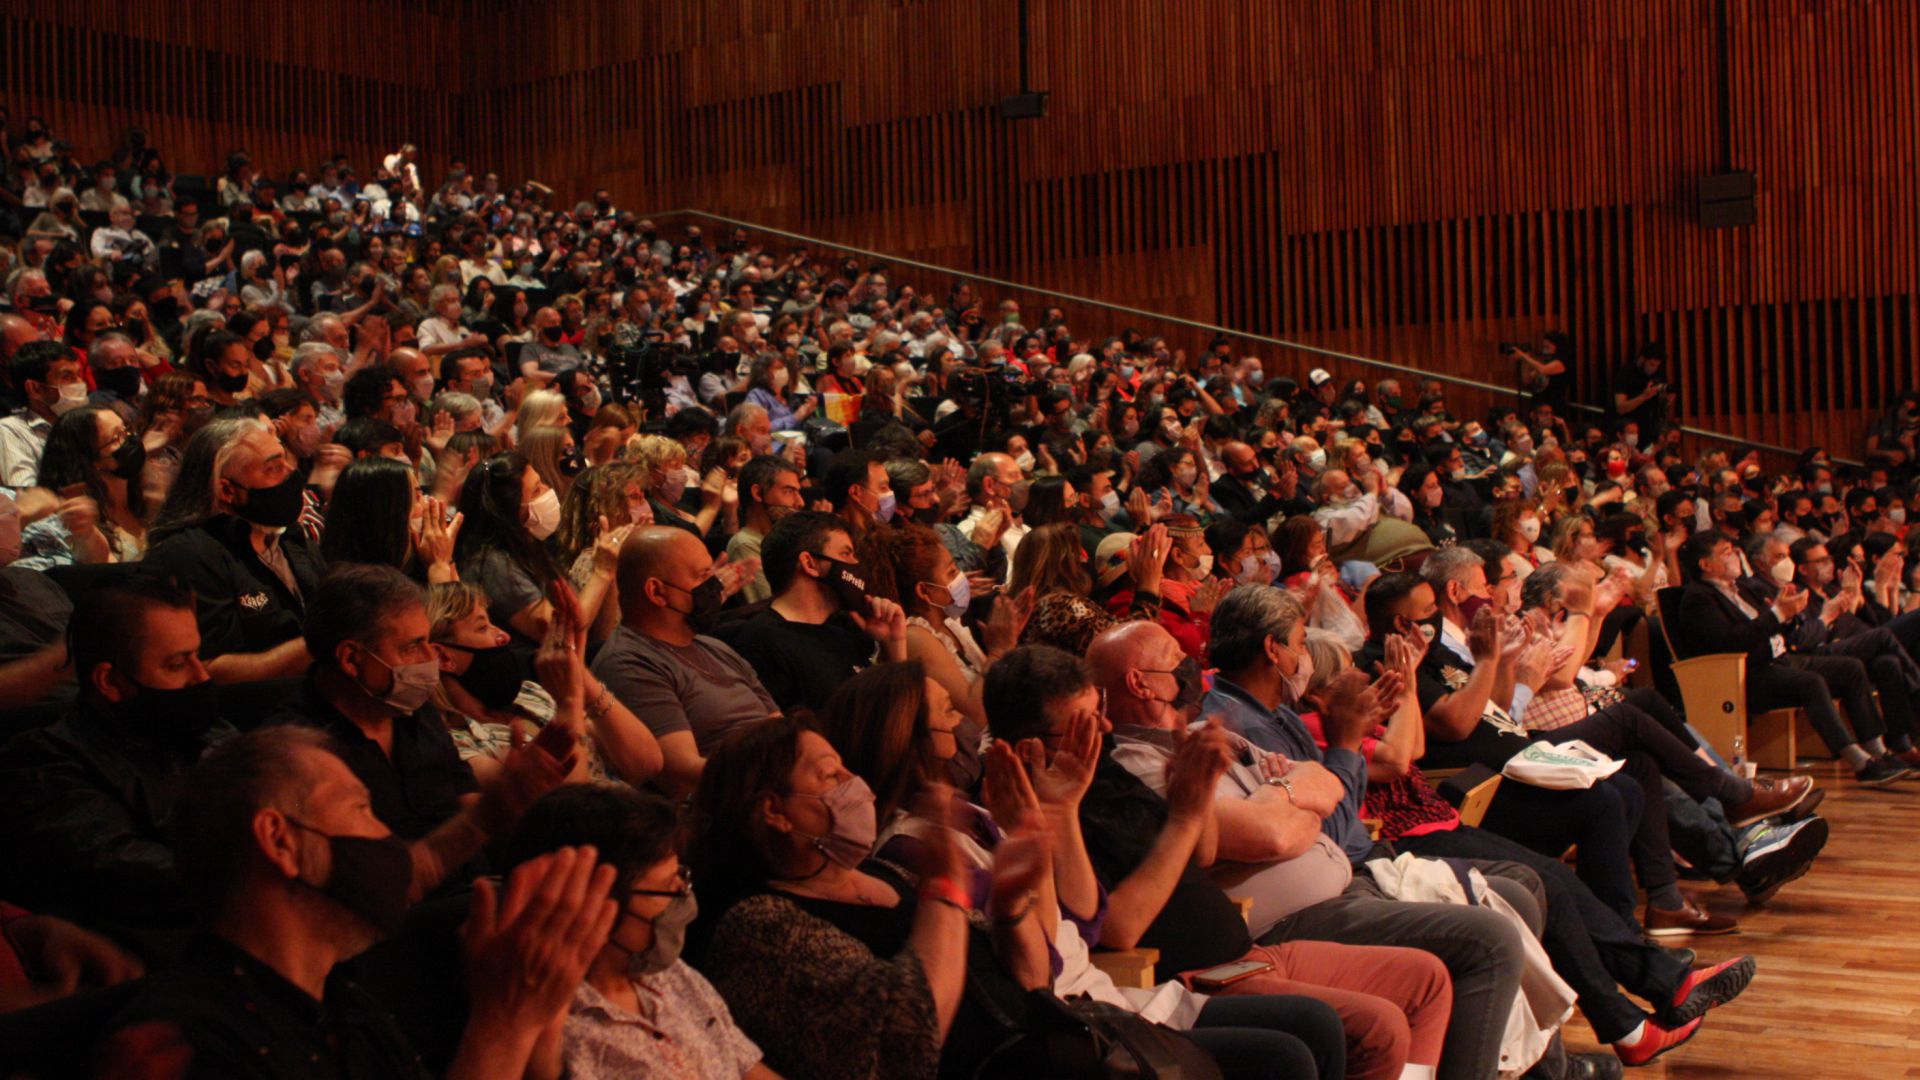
x,y
1639,389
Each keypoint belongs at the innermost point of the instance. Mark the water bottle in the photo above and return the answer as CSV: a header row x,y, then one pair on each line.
x,y
1740,756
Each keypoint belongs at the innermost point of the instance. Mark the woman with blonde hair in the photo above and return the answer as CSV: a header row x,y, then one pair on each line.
x,y
552,453
540,408
668,478
487,686
604,504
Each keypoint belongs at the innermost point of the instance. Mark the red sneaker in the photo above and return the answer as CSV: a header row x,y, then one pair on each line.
x,y
1653,1042
1705,988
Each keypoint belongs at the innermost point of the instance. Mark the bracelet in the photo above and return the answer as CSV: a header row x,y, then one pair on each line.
x,y
1284,783
945,890
600,706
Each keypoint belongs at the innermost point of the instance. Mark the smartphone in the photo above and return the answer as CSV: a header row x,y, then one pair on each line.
x,y
1225,975
556,740
1632,663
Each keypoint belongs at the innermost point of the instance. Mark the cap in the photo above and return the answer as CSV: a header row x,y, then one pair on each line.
x,y
1110,558
1318,377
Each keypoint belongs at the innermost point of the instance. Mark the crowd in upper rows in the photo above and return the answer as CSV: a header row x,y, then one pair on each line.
x,y
395,574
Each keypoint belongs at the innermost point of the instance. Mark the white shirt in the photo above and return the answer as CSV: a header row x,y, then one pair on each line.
x,y
1345,522
23,437
438,331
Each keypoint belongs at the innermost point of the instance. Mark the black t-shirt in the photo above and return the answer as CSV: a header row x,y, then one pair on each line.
x,y
1441,673
798,663
1199,926
244,1019
1552,389
414,789
1632,380
242,606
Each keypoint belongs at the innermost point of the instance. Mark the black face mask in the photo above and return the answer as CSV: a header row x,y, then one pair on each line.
x,y
551,333
129,458
571,464
370,877
494,675
164,309
707,598
232,384
176,717
275,507
1187,674
848,580
122,382
262,349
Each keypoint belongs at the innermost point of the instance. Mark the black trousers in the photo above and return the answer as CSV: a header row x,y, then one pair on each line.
x,y
1814,683
1892,673
1652,747
1601,819
1591,947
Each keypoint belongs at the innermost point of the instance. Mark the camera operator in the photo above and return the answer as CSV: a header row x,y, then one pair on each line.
x,y
1546,372
1640,392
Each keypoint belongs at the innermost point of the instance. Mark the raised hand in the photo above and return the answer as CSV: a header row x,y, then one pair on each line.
x,y
1484,635
1062,780
1200,758
1007,621
1207,596
528,947
1147,558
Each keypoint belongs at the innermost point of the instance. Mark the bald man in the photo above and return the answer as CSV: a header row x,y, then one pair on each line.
x,y
689,688
15,332
1249,492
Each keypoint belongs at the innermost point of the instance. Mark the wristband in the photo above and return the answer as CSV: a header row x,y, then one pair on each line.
x,y
945,890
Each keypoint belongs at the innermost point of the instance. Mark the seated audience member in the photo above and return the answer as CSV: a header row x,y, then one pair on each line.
x,y
93,450
226,532
507,514
1592,946
91,798
378,515
824,621
34,613
1393,1003
689,688
1052,565
793,904
487,684
1300,880
293,874
769,491
640,1011
1717,615
670,480
47,376
370,690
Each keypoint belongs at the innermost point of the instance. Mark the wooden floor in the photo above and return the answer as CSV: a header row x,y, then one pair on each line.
x,y
1838,987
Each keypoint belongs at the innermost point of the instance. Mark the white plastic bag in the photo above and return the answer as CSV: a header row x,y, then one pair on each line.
x,y
1566,766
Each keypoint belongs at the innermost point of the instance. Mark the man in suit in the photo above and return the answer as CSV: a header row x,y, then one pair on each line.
x,y
1718,612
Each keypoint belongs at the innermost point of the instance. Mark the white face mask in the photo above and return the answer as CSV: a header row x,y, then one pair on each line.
x,y
1317,460
1530,529
590,401
332,381
72,396
1205,566
1025,461
1631,438
1897,515
543,514
1783,571
1302,675
423,385
1110,506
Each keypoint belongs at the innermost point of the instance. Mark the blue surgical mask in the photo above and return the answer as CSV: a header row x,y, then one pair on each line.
x,y
885,510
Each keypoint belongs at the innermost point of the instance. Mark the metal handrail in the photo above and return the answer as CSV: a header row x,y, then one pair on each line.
x,y
1317,350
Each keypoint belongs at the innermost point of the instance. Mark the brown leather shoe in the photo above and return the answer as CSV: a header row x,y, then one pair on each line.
x,y
1770,797
1690,919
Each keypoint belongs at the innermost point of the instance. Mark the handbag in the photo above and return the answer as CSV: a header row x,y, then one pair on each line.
x,y
1083,1039
1566,766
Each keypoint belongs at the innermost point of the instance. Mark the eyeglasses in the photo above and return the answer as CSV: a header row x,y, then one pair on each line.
x,y
686,887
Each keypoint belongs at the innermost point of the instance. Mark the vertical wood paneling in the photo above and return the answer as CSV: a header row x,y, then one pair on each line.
x,y
1414,181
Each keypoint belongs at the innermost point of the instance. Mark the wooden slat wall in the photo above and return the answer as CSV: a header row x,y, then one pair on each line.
x,y
293,82
1410,179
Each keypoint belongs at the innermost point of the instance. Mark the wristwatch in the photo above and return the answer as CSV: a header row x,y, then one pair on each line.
x,y
1284,783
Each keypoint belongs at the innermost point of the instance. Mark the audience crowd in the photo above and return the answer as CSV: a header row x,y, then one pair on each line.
x,y
444,631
